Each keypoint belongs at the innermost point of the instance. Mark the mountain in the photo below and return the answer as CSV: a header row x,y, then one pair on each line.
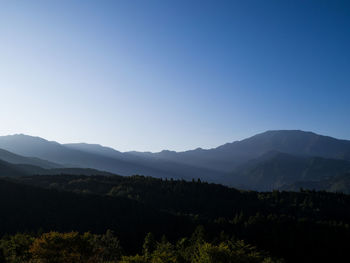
x,y
95,149
265,161
101,158
168,167
14,170
17,159
230,155
274,170
7,169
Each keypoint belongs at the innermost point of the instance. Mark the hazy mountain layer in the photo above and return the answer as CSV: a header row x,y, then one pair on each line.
x,y
15,170
265,161
17,159
102,158
228,156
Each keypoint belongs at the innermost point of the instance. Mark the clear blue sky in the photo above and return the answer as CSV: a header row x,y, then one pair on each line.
x,y
152,75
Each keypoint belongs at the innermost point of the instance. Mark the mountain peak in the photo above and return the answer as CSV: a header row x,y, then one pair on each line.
x,y
287,133
24,137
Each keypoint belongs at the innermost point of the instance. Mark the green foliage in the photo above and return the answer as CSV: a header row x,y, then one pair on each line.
x,y
15,249
197,250
149,245
72,247
108,246
54,247
209,253
164,253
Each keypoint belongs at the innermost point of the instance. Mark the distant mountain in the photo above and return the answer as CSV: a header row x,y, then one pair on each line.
x,y
95,149
274,170
101,158
228,156
17,159
7,169
265,161
14,170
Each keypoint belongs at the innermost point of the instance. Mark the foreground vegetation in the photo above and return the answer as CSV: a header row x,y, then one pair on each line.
x,y
72,247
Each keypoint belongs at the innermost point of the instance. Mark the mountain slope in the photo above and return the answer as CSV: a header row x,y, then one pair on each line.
x,y
102,158
95,149
17,159
275,170
210,165
340,184
7,169
14,170
228,156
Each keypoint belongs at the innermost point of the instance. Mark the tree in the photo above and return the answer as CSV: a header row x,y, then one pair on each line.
x,y
230,252
149,245
16,248
108,246
208,253
54,247
164,253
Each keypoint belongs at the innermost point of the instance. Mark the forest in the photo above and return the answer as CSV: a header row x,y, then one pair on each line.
x,y
144,219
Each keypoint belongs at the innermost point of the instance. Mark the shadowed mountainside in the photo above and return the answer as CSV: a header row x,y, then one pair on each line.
x,y
339,184
275,170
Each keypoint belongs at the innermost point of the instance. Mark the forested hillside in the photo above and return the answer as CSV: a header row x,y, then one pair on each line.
x,y
307,226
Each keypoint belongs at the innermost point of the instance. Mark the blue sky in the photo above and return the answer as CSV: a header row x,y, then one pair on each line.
x,y
152,75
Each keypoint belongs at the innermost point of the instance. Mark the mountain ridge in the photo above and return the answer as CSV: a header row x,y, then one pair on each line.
x,y
219,165
73,155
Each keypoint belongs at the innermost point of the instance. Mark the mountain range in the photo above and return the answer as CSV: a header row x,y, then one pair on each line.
x,y
270,160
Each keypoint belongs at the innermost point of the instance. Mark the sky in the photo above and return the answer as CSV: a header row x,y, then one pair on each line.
x,y
152,75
